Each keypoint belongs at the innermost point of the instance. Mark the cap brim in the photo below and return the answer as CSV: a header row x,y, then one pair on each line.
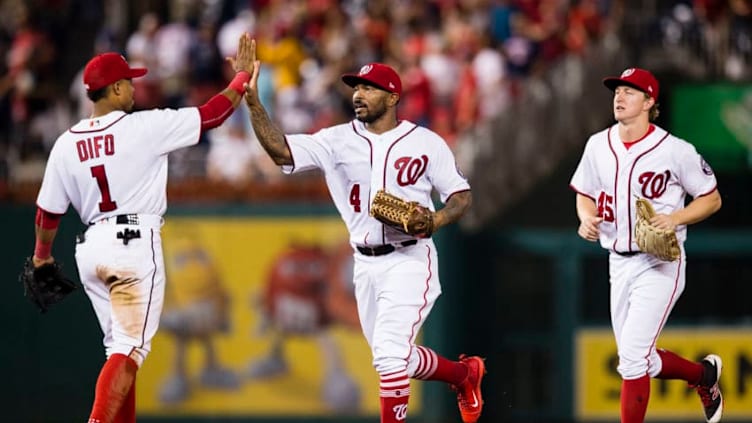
x,y
137,72
352,80
612,82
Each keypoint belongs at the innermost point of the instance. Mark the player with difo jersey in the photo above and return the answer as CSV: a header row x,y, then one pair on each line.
x,y
112,168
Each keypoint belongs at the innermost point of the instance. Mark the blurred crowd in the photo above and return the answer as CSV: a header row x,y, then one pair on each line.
x,y
707,39
462,63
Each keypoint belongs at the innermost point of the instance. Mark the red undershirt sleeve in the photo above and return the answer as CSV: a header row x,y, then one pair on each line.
x,y
215,111
47,220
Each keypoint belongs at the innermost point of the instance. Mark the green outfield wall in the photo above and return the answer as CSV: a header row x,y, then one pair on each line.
x,y
533,302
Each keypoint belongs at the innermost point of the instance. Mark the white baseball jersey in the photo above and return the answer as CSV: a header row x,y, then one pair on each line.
x,y
661,168
117,163
407,161
395,292
643,289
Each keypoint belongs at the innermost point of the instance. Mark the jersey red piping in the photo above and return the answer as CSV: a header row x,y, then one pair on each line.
x,y
616,187
715,188
370,162
425,303
386,160
629,144
98,129
456,192
151,291
629,204
581,193
629,188
665,312
287,143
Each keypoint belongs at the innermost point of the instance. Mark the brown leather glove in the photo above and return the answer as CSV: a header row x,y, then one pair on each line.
x,y
658,242
408,217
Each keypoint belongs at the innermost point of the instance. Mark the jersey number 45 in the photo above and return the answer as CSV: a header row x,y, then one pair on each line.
x,y
605,207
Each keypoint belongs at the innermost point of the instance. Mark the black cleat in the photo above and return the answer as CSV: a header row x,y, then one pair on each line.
x,y
708,389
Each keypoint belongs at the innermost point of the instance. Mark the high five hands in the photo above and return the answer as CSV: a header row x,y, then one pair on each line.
x,y
251,87
245,58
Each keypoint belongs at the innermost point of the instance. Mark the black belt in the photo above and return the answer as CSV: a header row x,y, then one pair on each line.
x,y
383,249
122,219
126,219
126,235
628,253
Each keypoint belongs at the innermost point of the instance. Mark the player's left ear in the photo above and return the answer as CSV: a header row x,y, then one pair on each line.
x,y
649,102
117,87
393,99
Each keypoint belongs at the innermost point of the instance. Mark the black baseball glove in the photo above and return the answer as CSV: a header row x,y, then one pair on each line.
x,y
45,285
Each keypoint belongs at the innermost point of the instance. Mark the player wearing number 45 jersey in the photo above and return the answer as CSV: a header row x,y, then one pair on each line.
x,y
395,274
112,167
635,158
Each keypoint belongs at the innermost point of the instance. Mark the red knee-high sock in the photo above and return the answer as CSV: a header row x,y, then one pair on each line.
x,y
635,394
677,367
394,395
114,383
127,413
432,366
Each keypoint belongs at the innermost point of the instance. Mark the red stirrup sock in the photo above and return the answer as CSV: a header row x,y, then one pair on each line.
x,y
677,367
432,366
394,395
635,394
114,383
127,413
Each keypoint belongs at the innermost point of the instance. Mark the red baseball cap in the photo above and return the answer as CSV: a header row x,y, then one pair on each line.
x,y
107,68
376,74
637,78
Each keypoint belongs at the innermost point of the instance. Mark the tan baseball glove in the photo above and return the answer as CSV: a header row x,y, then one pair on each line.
x,y
406,216
658,242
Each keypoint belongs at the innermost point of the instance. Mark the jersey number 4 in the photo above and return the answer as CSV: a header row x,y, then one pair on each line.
x,y
98,173
355,198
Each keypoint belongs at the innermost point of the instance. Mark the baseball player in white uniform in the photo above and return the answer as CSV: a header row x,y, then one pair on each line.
x,y
395,275
635,158
112,167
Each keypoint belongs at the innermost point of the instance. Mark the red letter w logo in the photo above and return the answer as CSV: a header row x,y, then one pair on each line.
x,y
409,169
654,184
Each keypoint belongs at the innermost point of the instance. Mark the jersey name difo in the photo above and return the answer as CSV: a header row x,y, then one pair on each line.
x,y
95,147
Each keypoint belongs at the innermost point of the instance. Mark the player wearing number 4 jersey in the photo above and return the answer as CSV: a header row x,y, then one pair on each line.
x,y
636,159
395,274
112,167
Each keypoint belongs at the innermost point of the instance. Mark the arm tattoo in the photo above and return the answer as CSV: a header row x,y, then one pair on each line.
x,y
270,136
454,208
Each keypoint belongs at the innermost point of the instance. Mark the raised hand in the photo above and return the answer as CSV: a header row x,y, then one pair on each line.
x,y
251,87
245,57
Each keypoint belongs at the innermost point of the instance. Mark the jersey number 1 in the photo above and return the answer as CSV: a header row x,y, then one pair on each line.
x,y
98,173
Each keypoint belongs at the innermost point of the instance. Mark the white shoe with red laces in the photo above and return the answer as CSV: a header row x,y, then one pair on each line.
x,y
708,389
469,397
